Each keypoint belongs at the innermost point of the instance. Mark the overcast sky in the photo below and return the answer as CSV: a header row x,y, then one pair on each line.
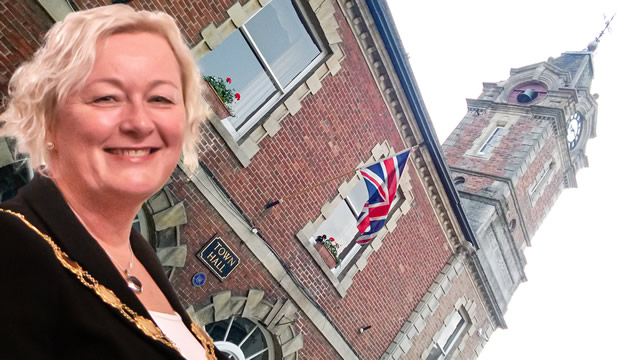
x,y
582,295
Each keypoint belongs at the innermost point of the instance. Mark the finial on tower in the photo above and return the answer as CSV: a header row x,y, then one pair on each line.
x,y
594,44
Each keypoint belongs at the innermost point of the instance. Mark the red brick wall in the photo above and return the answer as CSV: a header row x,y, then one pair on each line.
x,y
534,215
22,25
191,15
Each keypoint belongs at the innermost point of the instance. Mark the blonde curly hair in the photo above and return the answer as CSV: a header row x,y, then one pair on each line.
x,y
65,61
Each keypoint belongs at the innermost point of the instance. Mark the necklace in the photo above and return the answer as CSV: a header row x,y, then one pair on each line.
x,y
132,281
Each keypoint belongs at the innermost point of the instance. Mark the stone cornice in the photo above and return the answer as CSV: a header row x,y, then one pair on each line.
x,y
361,22
482,283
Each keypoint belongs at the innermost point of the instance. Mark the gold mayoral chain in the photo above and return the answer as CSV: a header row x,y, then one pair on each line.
x,y
148,327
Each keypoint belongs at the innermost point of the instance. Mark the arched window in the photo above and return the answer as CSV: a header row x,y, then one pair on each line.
x,y
242,339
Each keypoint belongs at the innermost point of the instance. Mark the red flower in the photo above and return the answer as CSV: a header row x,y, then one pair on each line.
x,y
229,80
237,96
332,239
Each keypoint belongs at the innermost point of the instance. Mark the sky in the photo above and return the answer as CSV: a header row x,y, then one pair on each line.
x,y
580,300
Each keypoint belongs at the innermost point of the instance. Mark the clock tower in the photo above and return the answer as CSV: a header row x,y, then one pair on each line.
x,y
519,145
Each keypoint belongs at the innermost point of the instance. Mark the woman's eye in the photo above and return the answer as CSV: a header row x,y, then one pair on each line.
x,y
105,99
161,99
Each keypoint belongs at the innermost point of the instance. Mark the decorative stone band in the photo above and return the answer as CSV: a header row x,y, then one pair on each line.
x,y
145,325
425,308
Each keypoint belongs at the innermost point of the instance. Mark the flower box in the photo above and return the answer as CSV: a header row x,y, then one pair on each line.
x,y
326,255
214,101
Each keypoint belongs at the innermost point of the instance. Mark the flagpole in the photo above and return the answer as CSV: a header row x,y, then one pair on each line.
x,y
273,203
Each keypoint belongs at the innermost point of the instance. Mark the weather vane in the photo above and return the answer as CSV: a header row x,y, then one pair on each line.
x,y
594,44
607,22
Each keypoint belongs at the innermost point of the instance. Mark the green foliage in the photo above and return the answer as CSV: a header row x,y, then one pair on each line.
x,y
333,249
227,94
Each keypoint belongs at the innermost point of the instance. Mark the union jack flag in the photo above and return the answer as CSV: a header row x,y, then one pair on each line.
x,y
382,180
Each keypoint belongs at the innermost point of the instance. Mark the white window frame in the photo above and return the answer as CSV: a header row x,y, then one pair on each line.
x,y
497,128
323,22
541,177
544,176
450,335
491,139
282,92
231,348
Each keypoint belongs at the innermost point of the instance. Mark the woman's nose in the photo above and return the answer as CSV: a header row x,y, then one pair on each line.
x,y
137,120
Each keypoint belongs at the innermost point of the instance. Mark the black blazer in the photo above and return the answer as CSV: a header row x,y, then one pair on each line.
x,y
45,312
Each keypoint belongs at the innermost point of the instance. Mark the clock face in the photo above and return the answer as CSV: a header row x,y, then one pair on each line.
x,y
574,129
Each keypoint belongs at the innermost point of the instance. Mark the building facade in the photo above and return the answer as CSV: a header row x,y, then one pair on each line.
x,y
325,89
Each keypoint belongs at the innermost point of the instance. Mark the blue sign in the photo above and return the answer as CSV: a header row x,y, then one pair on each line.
x,y
219,258
198,279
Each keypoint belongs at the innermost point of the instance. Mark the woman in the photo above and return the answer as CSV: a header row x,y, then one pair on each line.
x,y
104,110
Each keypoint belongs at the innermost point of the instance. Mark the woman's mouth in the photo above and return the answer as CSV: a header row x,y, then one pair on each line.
x,y
131,152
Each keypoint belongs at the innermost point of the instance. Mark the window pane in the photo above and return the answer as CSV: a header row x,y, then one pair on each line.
x,y
341,225
136,224
456,334
358,196
283,40
449,331
435,354
235,59
491,139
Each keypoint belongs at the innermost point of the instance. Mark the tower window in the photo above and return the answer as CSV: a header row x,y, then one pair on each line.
x,y
540,182
458,181
492,138
541,177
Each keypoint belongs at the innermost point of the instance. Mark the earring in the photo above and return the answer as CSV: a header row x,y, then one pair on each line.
x,y
50,145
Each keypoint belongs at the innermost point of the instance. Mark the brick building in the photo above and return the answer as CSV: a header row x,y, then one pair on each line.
x,y
325,89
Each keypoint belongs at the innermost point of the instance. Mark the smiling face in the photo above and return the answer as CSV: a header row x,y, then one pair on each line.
x,y
121,133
